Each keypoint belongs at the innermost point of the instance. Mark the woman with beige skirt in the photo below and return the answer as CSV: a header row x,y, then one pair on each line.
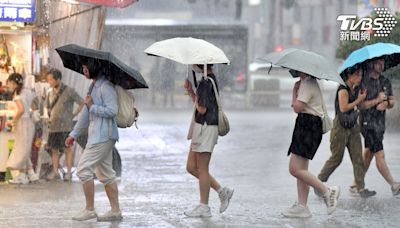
x,y
20,157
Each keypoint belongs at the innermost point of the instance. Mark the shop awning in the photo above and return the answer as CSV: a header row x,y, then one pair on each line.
x,y
111,3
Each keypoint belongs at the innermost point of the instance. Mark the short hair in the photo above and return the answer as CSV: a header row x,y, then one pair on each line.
x,y
57,75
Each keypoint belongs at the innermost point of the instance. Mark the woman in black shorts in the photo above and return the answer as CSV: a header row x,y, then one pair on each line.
x,y
307,135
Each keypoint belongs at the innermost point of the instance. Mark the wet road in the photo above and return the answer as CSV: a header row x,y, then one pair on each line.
x,y
155,188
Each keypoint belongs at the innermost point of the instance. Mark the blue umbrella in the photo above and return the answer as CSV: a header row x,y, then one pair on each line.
x,y
369,52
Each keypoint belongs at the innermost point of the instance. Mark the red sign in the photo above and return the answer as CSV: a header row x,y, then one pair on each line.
x,y
111,3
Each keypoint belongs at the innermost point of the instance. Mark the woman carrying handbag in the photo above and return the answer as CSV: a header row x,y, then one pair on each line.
x,y
204,135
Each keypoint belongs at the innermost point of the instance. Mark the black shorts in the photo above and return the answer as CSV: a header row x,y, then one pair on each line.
x,y
307,136
57,140
373,140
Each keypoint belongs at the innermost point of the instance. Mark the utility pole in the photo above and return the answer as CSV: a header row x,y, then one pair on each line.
x,y
272,27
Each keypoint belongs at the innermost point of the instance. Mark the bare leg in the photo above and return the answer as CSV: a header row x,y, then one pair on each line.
x,y
69,158
112,194
55,160
298,167
88,189
303,188
203,160
191,167
382,167
368,156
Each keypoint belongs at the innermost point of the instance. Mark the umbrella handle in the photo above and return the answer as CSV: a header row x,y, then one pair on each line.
x,y
187,71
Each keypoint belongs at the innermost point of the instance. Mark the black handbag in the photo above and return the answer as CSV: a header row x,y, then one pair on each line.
x,y
348,119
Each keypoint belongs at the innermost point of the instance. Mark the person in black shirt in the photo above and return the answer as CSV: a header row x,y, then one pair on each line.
x,y
373,109
346,131
204,136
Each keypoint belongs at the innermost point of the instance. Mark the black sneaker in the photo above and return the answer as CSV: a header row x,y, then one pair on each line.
x,y
366,193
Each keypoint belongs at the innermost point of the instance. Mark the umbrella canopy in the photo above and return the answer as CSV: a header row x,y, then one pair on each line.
x,y
369,52
188,50
117,72
306,62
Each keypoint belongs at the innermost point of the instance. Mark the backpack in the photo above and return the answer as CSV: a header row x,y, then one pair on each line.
x,y
127,112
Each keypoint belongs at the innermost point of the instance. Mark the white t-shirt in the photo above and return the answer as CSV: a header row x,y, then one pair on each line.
x,y
310,93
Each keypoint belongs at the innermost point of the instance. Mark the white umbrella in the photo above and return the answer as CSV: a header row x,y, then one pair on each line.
x,y
188,50
304,61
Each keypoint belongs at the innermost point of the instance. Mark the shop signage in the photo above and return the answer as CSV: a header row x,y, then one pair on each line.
x,y
17,10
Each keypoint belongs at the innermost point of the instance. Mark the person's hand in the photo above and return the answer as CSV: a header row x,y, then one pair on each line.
x,y
381,97
69,141
187,85
88,101
296,87
381,106
362,94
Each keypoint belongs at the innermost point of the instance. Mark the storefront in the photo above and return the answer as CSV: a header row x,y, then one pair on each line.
x,y
23,50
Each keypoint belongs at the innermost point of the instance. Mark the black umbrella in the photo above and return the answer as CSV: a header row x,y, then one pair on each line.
x,y
116,71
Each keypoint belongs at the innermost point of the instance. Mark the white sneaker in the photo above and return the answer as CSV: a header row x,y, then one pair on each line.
x,y
331,198
110,216
199,211
33,177
318,193
225,196
297,211
85,215
20,179
354,191
396,189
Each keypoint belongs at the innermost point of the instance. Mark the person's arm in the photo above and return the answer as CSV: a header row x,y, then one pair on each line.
x,y
344,104
295,92
192,94
81,125
298,106
77,99
367,104
78,109
390,97
110,107
201,109
390,102
20,110
301,95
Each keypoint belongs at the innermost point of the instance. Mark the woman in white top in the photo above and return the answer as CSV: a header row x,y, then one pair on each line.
x,y
20,157
307,135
